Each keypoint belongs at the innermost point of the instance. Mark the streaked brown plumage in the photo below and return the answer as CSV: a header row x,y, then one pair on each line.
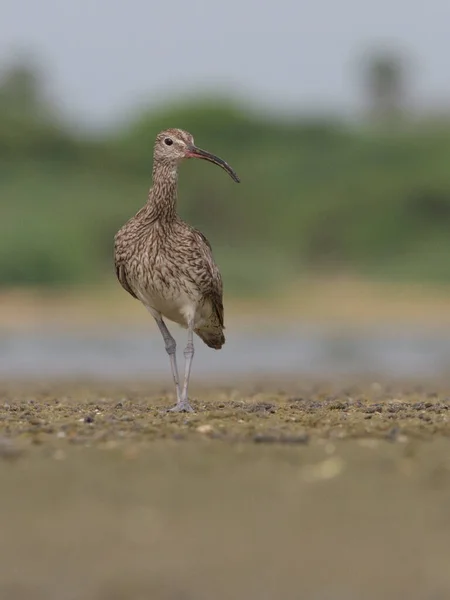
x,y
167,264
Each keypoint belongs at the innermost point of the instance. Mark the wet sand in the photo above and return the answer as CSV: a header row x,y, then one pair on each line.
x,y
278,490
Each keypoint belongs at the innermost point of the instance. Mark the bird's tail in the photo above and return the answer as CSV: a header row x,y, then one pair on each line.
x,y
213,337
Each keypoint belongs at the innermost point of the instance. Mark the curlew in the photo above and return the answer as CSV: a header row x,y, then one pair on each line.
x,y
167,264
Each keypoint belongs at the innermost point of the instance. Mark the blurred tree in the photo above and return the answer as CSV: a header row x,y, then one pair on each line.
x,y
22,89
29,122
385,86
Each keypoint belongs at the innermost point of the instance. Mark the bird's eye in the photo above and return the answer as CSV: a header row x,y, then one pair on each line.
x,y
168,142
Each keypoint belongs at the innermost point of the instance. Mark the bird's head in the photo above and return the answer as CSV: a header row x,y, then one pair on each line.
x,y
174,145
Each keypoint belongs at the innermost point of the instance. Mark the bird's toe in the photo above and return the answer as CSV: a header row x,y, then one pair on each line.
x,y
181,407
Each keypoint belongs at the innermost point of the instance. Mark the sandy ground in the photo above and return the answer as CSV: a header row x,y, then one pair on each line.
x,y
279,491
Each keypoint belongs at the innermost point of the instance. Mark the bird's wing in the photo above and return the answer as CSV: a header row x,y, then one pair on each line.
x,y
122,277
121,271
213,285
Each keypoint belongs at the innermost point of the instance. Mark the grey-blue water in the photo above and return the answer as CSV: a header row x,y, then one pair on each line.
x,y
301,350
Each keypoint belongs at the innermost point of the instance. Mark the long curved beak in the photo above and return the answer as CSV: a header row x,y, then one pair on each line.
x,y
194,152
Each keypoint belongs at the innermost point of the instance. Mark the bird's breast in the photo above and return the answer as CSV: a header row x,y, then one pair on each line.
x,y
164,272
164,287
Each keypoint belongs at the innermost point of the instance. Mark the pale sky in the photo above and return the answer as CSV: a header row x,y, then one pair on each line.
x,y
104,56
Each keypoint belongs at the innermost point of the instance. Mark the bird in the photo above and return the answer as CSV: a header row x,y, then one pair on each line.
x,y
168,265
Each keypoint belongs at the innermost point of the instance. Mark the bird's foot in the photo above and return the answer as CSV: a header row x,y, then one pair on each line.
x,y
181,406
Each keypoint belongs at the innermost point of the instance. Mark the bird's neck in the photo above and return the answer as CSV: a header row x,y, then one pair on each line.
x,y
162,197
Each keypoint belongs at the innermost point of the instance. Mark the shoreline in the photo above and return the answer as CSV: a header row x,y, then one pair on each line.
x,y
331,302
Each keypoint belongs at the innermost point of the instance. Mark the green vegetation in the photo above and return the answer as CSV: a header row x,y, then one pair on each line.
x,y
316,195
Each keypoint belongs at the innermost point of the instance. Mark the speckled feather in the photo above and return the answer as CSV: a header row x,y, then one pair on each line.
x,y
164,262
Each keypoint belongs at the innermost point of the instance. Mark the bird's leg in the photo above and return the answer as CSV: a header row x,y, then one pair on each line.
x,y
183,404
171,348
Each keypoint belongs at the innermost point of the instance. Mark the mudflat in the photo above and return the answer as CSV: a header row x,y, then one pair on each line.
x,y
269,491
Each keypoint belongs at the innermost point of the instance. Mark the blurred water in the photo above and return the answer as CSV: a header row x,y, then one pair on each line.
x,y
309,351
